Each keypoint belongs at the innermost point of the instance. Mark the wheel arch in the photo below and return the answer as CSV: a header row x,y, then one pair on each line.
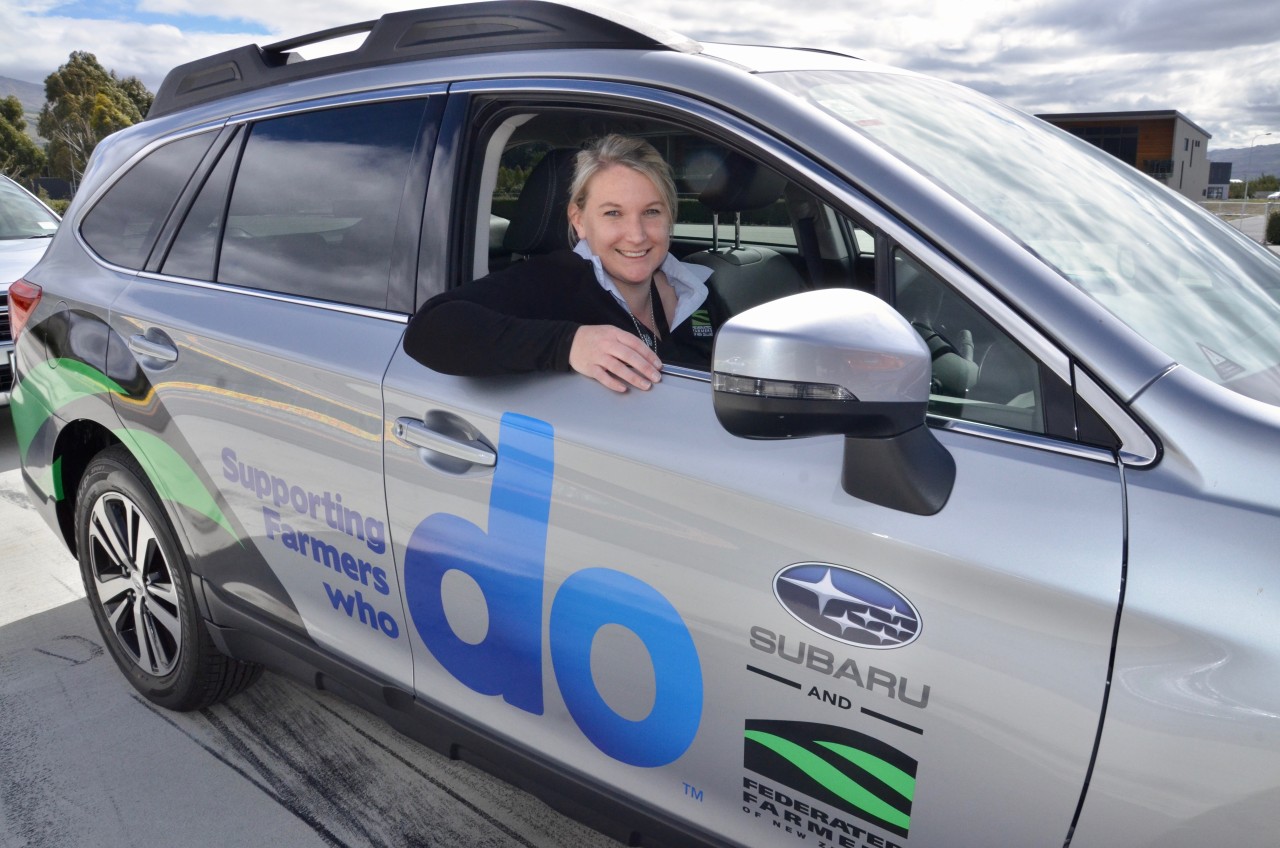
x,y
78,443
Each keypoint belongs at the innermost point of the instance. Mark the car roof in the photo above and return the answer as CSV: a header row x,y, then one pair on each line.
x,y
465,29
767,59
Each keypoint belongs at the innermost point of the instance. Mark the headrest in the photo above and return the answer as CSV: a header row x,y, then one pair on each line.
x,y
539,223
740,184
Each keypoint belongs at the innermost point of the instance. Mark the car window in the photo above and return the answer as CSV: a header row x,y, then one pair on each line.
x,y
124,223
979,373
194,251
316,199
756,250
695,160
1205,297
796,242
21,217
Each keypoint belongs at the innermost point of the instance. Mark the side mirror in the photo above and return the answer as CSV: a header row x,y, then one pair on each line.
x,y
837,361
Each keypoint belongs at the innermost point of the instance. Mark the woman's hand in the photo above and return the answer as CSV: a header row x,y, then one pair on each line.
x,y
614,358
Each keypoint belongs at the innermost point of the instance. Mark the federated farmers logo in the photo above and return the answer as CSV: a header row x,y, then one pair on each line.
x,y
849,771
847,605
701,322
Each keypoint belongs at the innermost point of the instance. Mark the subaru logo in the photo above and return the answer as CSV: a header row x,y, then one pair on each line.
x,y
846,605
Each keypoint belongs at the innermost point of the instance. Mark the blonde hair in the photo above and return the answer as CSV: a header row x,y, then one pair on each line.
x,y
616,149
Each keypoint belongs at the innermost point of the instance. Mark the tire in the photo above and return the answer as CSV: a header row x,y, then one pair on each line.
x,y
139,587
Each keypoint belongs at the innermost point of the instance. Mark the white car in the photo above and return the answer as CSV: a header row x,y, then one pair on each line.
x,y
26,225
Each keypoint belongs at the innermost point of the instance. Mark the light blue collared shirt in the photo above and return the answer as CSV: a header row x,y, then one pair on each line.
x,y
689,281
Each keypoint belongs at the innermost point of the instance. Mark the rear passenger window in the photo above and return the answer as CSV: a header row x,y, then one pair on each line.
x,y
123,225
316,199
194,251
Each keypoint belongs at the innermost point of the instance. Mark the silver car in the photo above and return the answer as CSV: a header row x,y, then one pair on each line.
x,y
966,538
26,226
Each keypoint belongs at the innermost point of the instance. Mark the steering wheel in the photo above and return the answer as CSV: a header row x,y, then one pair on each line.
x,y
954,370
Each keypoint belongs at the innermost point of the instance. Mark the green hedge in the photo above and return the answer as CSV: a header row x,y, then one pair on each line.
x,y
1273,228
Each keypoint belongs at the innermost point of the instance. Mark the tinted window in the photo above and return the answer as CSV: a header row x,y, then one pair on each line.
x,y
316,199
194,251
123,225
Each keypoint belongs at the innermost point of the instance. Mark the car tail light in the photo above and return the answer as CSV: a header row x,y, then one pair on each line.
x,y
23,297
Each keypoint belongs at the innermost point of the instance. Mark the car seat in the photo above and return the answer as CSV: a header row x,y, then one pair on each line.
x,y
744,276
539,223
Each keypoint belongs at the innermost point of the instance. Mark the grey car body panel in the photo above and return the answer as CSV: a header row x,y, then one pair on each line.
x,y
272,418
1015,655
1030,697
1190,752
85,287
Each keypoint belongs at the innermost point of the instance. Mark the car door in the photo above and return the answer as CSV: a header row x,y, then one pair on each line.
x,y
254,348
711,624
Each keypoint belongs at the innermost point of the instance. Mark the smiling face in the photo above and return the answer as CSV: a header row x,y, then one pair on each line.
x,y
625,222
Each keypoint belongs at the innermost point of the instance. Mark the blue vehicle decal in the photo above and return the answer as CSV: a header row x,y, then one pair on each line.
x,y
508,563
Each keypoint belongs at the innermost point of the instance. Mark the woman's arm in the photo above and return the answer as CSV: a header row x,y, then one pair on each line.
x,y
463,337
542,315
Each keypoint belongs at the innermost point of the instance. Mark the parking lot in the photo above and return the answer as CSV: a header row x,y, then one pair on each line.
x,y
87,762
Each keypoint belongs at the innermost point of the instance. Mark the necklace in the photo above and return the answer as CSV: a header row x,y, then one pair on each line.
x,y
650,340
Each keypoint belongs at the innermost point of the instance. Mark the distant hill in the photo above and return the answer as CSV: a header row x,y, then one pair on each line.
x,y
1264,159
30,95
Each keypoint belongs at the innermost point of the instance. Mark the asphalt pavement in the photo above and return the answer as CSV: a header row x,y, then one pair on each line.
x,y
85,761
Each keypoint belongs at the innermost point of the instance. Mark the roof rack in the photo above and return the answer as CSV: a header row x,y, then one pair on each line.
x,y
464,29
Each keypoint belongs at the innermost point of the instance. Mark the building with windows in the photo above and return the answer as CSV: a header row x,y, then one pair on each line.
x,y
1165,144
1219,181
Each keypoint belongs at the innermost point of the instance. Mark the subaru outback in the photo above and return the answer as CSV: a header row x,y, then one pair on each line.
x,y
965,538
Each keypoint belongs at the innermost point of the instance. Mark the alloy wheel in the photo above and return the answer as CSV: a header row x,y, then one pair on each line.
x,y
134,581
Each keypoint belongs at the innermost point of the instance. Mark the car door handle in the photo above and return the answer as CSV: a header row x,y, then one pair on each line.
x,y
413,432
162,350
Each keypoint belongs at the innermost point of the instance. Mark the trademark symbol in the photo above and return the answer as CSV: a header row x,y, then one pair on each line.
x,y
693,792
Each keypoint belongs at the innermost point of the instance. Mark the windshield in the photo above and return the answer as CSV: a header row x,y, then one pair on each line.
x,y
1186,282
21,217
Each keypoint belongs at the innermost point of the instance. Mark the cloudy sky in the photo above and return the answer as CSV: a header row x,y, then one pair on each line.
x,y
1216,62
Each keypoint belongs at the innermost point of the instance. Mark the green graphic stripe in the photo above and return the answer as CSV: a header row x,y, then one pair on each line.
x,y
831,778
56,471
49,387
52,385
173,478
901,782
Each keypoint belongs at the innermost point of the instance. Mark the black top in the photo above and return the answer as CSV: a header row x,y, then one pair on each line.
x,y
523,318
